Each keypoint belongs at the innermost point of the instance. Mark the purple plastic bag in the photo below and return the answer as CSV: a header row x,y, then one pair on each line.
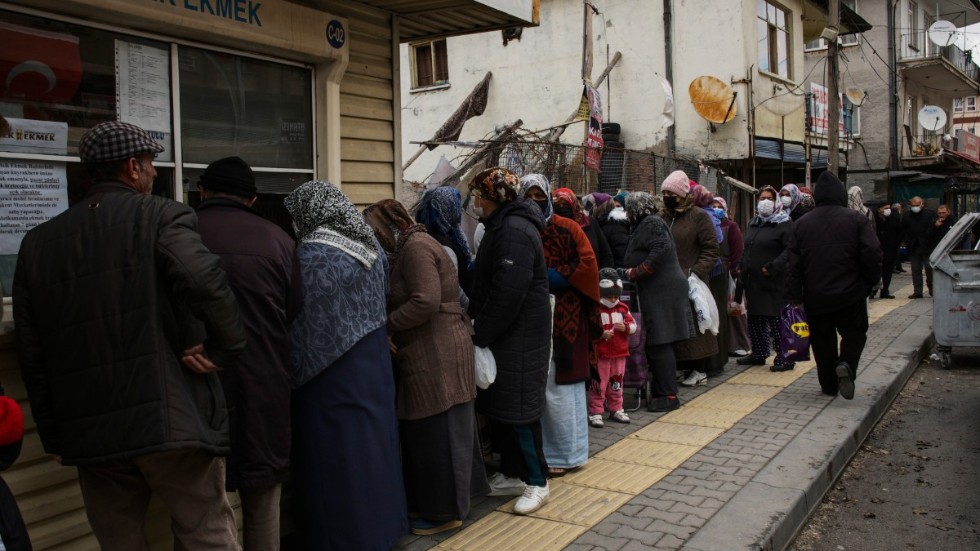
x,y
636,363
794,334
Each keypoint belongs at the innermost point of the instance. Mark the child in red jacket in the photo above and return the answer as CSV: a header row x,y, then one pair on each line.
x,y
612,349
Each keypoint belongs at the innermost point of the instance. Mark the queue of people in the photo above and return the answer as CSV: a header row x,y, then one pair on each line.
x,y
343,360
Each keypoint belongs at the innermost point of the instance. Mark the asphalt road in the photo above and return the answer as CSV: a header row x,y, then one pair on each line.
x,y
915,483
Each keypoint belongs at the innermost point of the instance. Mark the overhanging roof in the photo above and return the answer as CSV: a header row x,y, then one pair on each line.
x,y
814,23
422,19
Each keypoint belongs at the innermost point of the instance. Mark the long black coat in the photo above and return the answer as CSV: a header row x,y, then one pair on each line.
x,y
889,232
617,231
917,230
766,246
107,296
600,246
263,271
511,312
663,288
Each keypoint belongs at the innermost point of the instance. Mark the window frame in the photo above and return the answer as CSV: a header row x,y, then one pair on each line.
x,y
851,39
967,104
436,54
913,23
959,105
771,47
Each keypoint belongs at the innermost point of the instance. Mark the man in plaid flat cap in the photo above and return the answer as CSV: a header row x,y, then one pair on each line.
x,y
123,318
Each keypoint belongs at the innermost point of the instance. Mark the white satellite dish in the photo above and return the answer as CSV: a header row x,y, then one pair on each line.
x,y
932,118
942,33
855,95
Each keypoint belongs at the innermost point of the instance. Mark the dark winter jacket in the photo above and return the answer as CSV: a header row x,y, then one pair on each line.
x,y
917,230
263,271
766,246
937,233
600,245
512,312
834,256
105,300
889,232
663,288
617,231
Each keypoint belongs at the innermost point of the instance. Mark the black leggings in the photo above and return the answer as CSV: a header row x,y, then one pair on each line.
x,y
663,370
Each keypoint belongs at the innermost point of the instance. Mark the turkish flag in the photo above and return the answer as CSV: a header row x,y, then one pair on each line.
x,y
38,66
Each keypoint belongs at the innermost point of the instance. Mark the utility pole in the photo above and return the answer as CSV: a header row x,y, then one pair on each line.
x,y
833,96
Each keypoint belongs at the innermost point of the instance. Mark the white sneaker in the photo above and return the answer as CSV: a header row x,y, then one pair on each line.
x,y
501,485
695,378
532,500
596,421
620,417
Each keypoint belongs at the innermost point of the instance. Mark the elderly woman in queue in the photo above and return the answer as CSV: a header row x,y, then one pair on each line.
x,y
697,252
348,491
433,355
573,278
567,205
512,317
651,261
717,278
440,209
791,200
764,265
732,249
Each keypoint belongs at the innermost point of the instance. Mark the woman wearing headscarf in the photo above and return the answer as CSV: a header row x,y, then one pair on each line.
x,y
347,483
807,203
855,202
593,200
732,248
573,278
790,199
566,204
764,267
612,220
697,252
433,355
662,287
441,211
512,316
717,278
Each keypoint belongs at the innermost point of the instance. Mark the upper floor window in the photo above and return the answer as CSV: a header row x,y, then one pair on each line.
x,y
958,105
913,16
774,39
430,63
971,103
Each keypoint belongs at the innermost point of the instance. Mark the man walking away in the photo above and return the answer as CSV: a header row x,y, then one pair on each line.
x,y
109,300
834,261
917,228
263,271
889,231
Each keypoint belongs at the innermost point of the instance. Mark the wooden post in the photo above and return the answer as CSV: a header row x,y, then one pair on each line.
x,y
833,98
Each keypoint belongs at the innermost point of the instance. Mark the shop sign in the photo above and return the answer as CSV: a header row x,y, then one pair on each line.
x,y
241,11
39,137
819,118
968,143
336,35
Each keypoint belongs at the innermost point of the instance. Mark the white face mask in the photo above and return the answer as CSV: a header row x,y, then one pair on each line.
x,y
916,209
477,210
786,201
765,207
886,213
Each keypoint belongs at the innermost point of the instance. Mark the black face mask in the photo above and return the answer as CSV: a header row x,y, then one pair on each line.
x,y
671,202
543,205
564,210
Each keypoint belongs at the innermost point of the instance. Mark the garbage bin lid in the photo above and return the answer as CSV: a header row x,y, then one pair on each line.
x,y
939,258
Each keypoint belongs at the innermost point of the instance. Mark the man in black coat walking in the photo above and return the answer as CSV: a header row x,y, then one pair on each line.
x,y
917,227
834,261
888,227
263,271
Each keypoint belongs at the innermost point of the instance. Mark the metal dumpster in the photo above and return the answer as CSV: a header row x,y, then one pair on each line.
x,y
956,290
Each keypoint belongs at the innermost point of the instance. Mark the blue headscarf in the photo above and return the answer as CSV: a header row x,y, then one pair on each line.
x,y
440,210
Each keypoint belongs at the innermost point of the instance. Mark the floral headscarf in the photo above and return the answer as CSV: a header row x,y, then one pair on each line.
x,y
700,195
541,182
778,214
593,200
639,205
855,200
495,184
806,201
392,225
441,210
795,196
565,196
323,214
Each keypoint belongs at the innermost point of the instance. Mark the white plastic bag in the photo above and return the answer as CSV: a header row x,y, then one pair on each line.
x,y
486,367
704,305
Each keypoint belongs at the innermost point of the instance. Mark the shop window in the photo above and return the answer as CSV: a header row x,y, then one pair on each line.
x,y
430,64
775,53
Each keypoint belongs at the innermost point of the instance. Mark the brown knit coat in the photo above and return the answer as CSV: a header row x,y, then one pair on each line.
x,y
434,362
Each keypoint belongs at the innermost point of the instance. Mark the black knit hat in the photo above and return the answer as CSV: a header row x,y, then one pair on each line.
x,y
229,175
610,285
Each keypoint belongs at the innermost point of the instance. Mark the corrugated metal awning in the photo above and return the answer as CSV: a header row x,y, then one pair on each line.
x,y
422,19
792,153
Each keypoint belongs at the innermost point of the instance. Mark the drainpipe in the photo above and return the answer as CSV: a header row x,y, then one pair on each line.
x,y
892,91
669,62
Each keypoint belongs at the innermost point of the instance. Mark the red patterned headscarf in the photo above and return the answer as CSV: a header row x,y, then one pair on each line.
x,y
565,196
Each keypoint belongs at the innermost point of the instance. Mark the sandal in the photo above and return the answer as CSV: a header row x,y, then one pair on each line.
x,y
556,472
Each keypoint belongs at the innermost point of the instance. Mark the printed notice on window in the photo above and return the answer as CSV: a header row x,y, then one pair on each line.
x,y
143,91
30,193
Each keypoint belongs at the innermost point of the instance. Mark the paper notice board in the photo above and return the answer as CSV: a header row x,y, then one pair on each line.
x,y
143,91
31,193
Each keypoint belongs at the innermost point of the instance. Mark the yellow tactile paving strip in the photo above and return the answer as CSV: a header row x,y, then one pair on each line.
x,y
611,478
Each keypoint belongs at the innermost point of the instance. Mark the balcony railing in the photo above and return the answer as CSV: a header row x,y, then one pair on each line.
x,y
918,46
926,145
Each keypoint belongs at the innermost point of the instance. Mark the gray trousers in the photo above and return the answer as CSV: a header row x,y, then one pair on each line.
x,y
920,260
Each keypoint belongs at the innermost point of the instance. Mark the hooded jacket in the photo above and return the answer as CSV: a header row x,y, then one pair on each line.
x,y
511,312
834,255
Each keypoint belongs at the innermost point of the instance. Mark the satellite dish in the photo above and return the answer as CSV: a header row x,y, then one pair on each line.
x,y
855,95
781,102
942,33
932,118
712,99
